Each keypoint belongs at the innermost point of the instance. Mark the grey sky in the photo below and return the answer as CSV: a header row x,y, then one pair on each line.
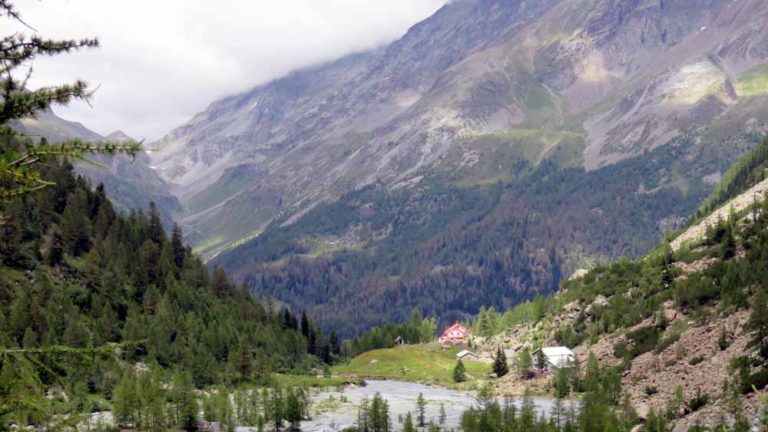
x,y
162,61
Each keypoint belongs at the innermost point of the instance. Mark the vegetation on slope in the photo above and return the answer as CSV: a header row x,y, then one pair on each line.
x,y
428,363
86,293
745,173
375,254
629,302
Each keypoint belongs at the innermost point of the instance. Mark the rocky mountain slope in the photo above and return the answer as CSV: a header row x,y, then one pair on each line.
x,y
131,182
683,327
469,91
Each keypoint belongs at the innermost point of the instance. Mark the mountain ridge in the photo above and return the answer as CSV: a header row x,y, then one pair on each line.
x,y
131,181
505,75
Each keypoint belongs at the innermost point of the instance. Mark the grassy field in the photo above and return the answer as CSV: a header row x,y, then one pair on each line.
x,y
287,381
753,83
429,364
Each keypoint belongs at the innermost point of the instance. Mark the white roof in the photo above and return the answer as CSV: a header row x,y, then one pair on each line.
x,y
557,351
465,353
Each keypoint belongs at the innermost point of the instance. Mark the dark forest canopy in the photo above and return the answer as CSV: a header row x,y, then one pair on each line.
x,y
75,274
448,250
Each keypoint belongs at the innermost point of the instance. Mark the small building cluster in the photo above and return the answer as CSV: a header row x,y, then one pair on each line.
x,y
453,335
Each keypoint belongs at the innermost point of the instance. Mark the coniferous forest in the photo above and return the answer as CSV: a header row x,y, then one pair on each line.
x,y
86,293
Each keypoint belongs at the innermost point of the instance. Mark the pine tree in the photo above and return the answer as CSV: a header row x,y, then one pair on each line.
x,y
125,401
293,410
305,325
442,416
728,245
242,361
333,343
55,253
363,415
277,408
562,387
221,285
177,246
500,366
30,338
421,409
524,363
459,372
185,402
758,322
156,231
408,424
74,224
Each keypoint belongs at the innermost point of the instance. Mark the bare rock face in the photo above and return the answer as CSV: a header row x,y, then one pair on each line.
x,y
582,83
578,274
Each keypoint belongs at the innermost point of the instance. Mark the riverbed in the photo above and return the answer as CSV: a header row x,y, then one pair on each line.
x,y
335,410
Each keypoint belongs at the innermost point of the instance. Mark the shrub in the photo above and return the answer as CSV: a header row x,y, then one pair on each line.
x,y
666,342
698,401
643,339
696,360
722,340
757,380
651,390
620,349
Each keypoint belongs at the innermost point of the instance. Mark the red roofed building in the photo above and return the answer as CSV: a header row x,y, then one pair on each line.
x,y
454,334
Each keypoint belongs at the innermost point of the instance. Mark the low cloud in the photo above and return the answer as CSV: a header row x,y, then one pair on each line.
x,y
160,62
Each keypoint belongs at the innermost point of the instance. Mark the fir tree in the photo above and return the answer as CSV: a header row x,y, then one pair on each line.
x,y
459,372
500,366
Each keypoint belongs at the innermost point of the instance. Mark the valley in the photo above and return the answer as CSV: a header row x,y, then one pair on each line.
x,y
514,216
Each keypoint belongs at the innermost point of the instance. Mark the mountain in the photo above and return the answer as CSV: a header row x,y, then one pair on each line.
x,y
673,341
131,182
468,92
683,329
491,151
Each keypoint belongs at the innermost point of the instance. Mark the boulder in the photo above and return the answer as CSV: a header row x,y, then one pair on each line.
x,y
578,274
572,307
643,410
670,314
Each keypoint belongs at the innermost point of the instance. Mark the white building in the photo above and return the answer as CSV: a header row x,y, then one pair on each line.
x,y
556,356
466,354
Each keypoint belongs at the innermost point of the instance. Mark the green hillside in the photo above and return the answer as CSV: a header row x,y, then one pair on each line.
x,y
430,364
87,295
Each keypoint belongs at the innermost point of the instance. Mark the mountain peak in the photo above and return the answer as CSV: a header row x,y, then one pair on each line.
x,y
119,136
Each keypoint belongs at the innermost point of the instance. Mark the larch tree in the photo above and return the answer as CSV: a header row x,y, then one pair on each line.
x,y
421,410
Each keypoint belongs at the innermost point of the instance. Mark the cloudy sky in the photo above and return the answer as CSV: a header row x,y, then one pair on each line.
x,y
162,61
